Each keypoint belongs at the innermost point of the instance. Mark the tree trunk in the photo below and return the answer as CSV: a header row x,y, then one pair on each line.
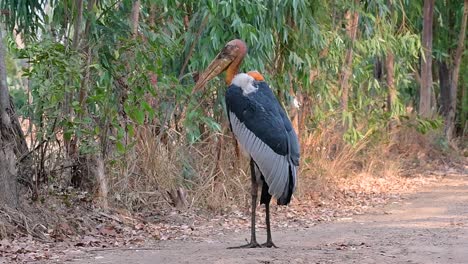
x,y
69,143
99,173
450,120
77,24
8,173
425,91
82,95
75,44
444,84
135,17
464,109
392,93
352,18
390,71
378,69
8,184
152,15
87,51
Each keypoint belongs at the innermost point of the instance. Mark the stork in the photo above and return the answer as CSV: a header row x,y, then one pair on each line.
x,y
262,128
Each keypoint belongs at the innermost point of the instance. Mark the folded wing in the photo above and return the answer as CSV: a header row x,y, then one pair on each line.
x,y
264,131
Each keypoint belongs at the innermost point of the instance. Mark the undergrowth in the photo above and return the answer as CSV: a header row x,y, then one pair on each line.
x,y
160,173
215,181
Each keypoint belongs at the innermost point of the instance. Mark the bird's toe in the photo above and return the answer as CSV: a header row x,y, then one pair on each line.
x,y
269,244
253,244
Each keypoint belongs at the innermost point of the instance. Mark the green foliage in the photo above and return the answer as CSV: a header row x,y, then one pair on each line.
x,y
426,125
24,16
423,125
53,72
20,101
132,81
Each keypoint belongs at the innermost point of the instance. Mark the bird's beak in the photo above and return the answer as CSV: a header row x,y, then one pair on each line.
x,y
216,67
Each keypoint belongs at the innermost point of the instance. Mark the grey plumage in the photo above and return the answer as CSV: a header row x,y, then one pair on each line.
x,y
273,166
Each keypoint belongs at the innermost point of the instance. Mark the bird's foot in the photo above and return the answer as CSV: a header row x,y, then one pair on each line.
x,y
269,244
252,244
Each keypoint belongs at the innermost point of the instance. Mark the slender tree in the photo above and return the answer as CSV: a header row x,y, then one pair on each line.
x,y
135,17
450,119
390,71
8,172
426,63
352,18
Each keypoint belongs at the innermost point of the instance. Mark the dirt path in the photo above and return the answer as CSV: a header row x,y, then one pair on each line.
x,y
428,227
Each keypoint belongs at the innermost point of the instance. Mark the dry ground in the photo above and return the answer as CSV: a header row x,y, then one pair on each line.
x,y
430,226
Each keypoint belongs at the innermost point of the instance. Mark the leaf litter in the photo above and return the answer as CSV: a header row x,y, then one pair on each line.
x,y
85,228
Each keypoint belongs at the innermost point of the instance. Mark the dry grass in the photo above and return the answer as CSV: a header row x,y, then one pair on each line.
x,y
331,166
137,179
146,176
151,174
221,181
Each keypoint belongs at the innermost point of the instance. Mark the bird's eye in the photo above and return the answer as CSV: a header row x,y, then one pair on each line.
x,y
231,48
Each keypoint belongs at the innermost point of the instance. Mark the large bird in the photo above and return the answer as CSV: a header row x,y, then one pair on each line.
x,y
262,128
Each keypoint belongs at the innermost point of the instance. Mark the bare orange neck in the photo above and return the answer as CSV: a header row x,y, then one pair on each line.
x,y
233,69
231,72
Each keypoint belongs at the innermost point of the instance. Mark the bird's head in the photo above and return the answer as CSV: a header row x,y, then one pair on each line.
x,y
228,59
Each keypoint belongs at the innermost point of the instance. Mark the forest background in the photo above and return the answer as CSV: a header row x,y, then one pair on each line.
x,y
92,95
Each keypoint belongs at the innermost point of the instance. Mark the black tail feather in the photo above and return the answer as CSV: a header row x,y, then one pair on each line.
x,y
286,197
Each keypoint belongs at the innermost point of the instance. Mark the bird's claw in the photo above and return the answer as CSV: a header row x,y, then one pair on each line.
x,y
249,245
269,244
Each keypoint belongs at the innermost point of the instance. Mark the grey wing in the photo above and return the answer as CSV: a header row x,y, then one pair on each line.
x,y
274,167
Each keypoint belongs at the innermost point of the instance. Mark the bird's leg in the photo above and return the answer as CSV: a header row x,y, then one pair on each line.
x,y
253,239
269,242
